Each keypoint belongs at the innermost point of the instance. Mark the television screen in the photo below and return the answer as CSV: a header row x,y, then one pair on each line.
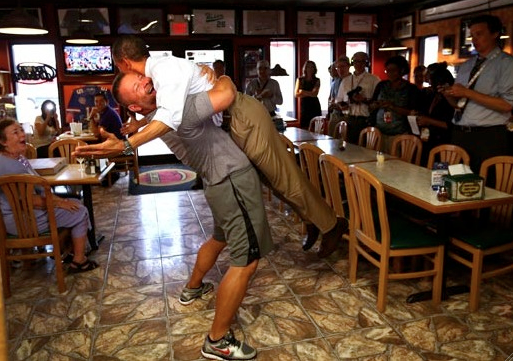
x,y
88,59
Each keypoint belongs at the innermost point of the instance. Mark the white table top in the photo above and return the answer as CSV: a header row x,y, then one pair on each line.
x,y
352,154
299,135
413,184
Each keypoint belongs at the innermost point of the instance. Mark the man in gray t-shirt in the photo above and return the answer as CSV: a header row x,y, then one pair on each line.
x,y
233,191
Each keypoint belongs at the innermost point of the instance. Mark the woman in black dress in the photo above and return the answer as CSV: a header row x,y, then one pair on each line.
x,y
307,88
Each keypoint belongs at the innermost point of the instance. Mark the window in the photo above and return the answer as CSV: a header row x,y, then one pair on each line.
x,y
321,53
355,46
31,94
284,53
429,50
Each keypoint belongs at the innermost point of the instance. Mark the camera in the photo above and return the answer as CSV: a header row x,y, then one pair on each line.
x,y
50,106
352,93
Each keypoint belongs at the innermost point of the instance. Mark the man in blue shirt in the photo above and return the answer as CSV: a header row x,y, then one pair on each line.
x,y
104,116
483,95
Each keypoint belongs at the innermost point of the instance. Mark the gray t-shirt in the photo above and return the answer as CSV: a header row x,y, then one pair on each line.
x,y
202,145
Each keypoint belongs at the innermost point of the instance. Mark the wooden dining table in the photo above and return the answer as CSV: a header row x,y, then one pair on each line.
x,y
71,175
412,183
300,135
350,154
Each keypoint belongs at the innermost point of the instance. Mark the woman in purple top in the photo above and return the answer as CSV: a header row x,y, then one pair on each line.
x,y
68,213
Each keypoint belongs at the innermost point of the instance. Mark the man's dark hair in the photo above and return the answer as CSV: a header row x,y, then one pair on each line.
x,y
493,22
218,62
101,94
400,62
115,89
130,47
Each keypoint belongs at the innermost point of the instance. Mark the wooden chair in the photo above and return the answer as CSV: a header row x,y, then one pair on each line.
x,y
125,163
19,191
473,241
333,171
380,238
408,147
341,130
292,152
452,154
370,138
31,151
309,161
65,148
318,125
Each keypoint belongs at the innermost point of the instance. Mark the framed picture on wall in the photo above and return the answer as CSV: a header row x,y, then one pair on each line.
x,y
94,20
249,57
79,100
403,27
263,22
213,21
359,23
141,21
315,22
466,46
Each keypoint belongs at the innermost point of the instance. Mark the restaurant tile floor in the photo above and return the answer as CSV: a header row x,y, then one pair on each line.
x,y
297,307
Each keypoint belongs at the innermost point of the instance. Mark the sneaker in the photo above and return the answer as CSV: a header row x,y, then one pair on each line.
x,y
227,348
190,294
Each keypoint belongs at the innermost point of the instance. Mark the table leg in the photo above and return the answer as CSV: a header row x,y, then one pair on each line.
x,y
94,239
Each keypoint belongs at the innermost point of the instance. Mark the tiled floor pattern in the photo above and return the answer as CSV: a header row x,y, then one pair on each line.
x,y
298,307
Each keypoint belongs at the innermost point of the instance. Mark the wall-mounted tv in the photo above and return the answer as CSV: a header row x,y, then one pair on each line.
x,y
88,59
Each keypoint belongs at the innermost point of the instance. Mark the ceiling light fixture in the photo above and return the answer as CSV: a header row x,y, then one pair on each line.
x,y
82,35
20,22
391,45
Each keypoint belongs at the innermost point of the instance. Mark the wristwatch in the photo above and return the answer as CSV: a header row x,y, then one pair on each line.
x,y
128,148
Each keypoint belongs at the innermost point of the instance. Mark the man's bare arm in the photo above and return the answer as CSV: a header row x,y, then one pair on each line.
x,y
113,146
222,94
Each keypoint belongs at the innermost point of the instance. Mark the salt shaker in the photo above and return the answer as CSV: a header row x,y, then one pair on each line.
x,y
380,157
443,194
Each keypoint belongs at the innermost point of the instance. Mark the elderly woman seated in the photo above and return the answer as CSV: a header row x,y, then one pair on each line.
x,y
68,213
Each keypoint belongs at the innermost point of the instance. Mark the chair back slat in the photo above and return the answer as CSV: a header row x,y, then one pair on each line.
x,y
370,138
407,147
450,153
341,130
502,168
333,171
318,125
65,148
309,160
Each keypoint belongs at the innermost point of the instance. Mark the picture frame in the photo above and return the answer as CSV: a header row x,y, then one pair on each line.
x,y
263,22
36,12
78,100
70,20
141,21
403,27
207,21
316,22
359,23
466,47
249,57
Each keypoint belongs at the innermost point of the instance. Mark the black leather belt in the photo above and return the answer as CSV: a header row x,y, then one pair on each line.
x,y
469,129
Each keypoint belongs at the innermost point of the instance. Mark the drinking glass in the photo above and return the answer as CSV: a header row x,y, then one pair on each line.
x,y
80,161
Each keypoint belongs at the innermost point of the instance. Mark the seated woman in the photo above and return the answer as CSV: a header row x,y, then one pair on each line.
x,y
46,128
436,113
69,213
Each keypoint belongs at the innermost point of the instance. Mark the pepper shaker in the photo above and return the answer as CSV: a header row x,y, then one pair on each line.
x,y
443,194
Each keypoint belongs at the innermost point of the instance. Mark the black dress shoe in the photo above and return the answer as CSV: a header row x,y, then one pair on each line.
x,y
312,234
331,240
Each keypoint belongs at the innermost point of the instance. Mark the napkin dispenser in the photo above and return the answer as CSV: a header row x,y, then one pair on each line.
x,y
464,187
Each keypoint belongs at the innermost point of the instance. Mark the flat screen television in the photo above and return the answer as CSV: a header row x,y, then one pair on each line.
x,y
88,60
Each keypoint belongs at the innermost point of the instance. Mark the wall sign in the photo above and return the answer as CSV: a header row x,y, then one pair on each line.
x,y
263,22
315,22
213,21
34,73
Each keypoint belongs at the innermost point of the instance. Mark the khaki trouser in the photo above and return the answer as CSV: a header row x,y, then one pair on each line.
x,y
254,132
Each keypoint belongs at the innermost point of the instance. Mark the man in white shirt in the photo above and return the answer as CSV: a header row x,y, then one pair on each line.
x,y
357,90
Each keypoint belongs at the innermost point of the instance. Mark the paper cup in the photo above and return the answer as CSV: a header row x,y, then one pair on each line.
x,y
76,128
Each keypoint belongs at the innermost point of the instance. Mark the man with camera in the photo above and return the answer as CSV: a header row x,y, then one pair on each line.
x,y
356,90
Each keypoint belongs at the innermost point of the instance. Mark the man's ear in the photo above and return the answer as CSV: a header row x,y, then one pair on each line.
x,y
134,108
